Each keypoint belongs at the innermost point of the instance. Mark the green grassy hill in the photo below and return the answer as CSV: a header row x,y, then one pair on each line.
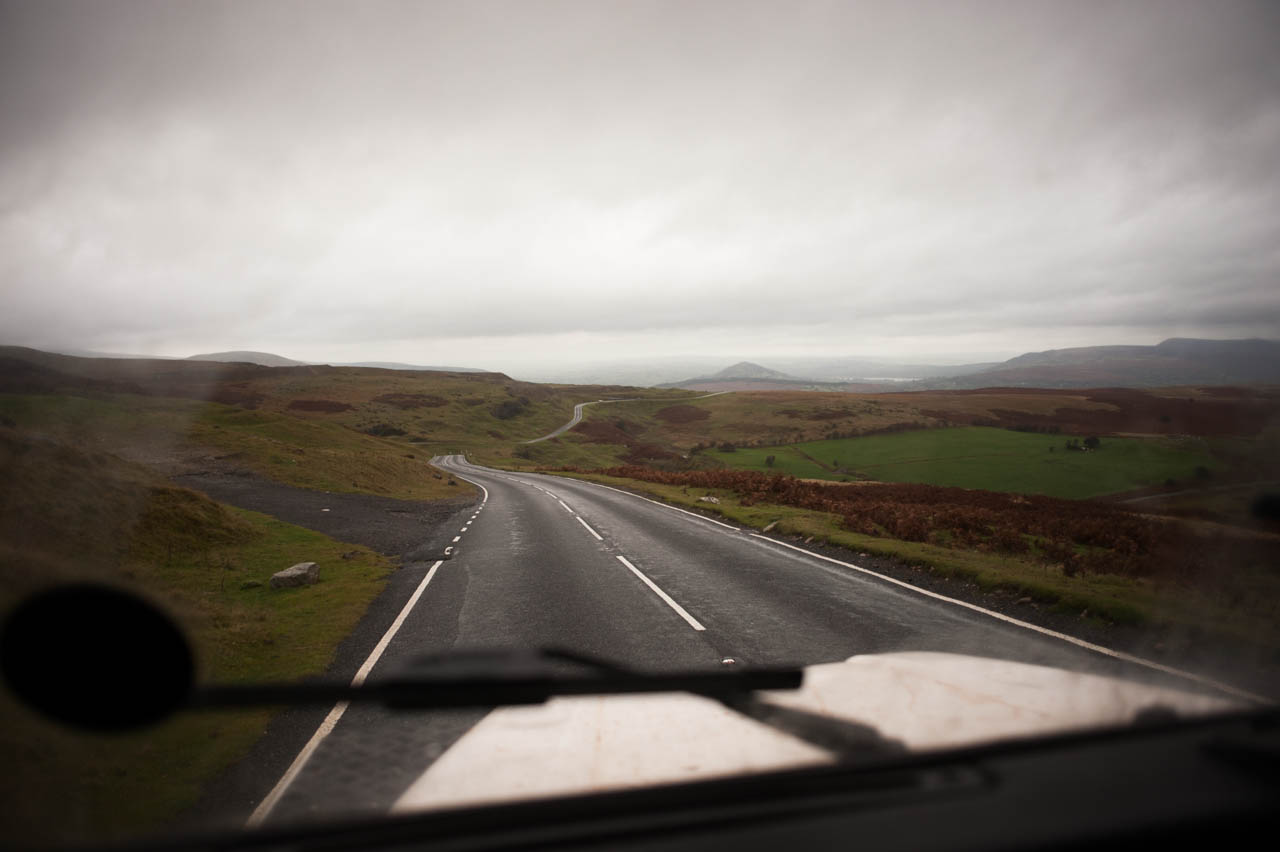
x,y
362,430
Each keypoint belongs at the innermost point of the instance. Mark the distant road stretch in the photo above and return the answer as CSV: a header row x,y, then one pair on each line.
x,y
577,412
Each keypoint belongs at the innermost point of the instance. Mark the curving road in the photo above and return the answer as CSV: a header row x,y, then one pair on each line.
x,y
577,412
577,418
549,561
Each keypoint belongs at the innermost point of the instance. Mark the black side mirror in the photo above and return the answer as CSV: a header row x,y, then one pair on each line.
x,y
96,658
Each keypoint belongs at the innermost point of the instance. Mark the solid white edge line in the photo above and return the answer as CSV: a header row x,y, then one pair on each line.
x,y
693,622
588,526
566,506
663,505
263,810
694,515
1100,649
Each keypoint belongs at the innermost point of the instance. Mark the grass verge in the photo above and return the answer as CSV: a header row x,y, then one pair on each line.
x,y
76,515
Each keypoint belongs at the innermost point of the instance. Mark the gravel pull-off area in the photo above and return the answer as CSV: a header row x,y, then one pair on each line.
x,y
394,527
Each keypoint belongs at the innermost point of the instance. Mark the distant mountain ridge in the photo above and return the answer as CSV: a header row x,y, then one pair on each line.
x,y
1176,361
265,359
268,359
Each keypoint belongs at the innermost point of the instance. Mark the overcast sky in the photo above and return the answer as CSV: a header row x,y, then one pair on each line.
x,y
514,185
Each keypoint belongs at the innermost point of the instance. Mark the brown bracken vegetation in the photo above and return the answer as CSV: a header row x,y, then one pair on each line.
x,y
1207,413
1081,536
325,406
682,414
410,401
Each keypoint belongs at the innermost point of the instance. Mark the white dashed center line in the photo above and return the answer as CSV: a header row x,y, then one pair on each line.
x,y
693,622
588,526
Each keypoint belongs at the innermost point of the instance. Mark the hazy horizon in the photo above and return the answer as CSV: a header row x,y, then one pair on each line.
x,y
525,187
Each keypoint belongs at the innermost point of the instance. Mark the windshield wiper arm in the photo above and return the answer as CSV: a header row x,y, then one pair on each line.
x,y
489,678
94,685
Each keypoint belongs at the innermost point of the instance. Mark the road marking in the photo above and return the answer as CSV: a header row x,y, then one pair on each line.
x,y
665,505
464,529
1101,649
447,550
588,526
264,808
693,622
456,537
694,515
566,506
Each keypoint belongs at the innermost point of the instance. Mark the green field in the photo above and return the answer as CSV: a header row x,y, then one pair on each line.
x,y
991,459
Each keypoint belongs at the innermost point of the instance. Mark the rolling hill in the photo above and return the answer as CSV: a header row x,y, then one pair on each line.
x,y
1177,361
264,359
267,359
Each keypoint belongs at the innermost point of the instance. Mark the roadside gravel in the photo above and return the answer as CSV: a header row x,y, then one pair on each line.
x,y
389,526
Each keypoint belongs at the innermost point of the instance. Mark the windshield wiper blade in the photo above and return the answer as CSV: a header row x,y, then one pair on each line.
x,y
491,678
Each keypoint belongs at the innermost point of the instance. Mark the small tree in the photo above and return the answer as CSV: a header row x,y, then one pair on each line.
x,y
768,461
1092,442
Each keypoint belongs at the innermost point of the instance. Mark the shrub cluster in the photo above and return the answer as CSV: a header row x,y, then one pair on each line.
x,y
509,408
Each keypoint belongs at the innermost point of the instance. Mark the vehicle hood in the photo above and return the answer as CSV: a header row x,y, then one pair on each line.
x,y
919,700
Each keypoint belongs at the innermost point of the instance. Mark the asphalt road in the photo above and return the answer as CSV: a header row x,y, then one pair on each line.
x,y
548,561
574,421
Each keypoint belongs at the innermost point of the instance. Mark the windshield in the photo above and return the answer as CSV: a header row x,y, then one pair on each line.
x,y
929,350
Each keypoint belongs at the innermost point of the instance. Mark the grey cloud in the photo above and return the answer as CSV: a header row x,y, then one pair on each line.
x,y
422,171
